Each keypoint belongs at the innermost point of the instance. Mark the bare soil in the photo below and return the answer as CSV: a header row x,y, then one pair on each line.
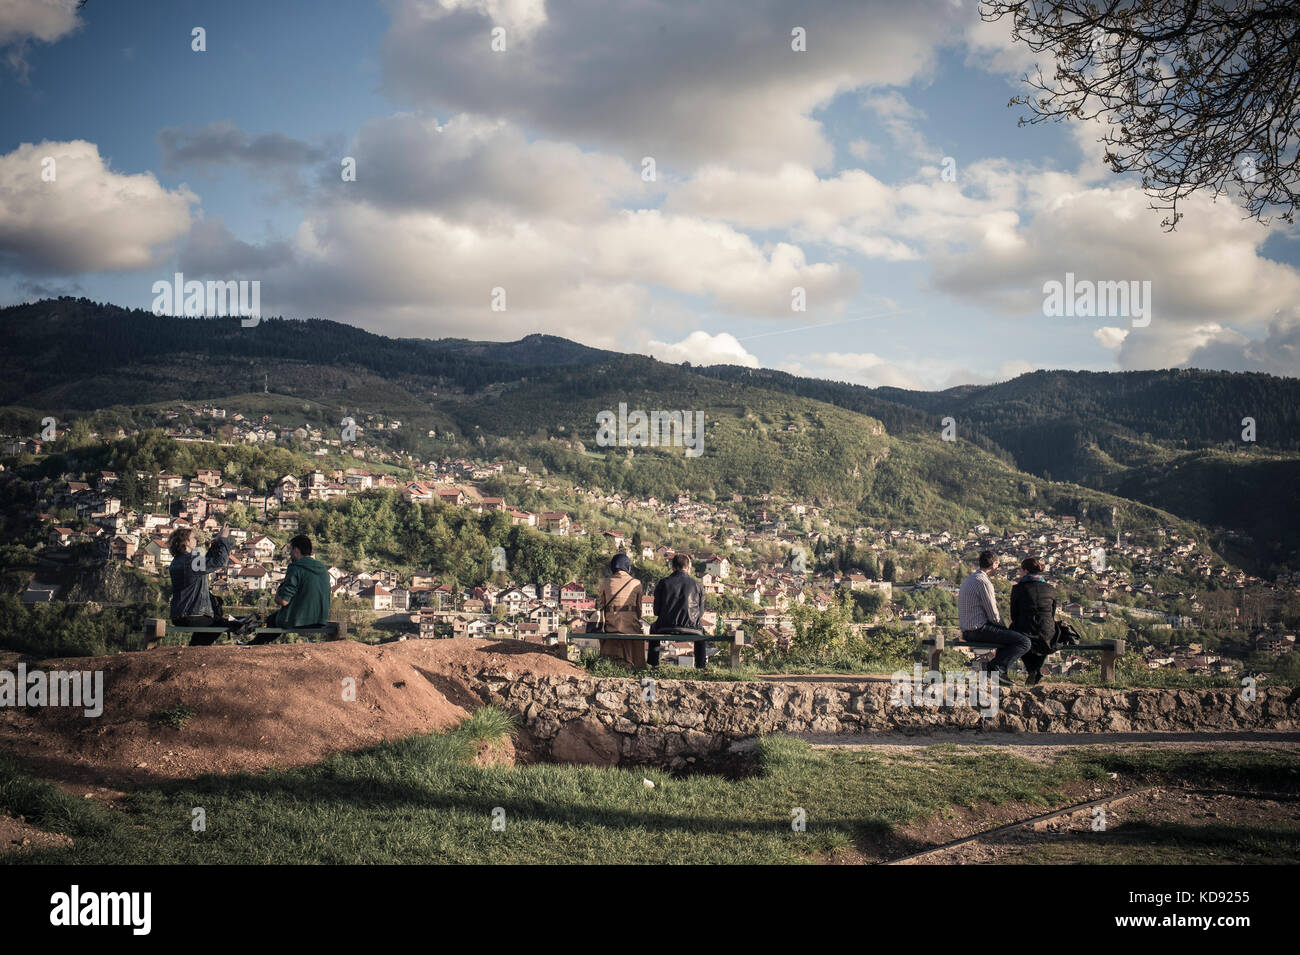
x,y
177,712
18,836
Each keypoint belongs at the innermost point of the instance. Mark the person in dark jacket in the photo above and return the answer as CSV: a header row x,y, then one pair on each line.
x,y
1033,613
303,595
679,607
192,604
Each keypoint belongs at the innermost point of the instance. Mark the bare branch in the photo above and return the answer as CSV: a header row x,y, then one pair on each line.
x,y
1198,95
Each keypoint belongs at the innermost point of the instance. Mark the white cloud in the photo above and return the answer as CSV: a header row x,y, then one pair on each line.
x,y
993,239
478,168
442,214
44,20
421,272
900,120
1208,280
89,219
851,210
24,21
1278,353
874,371
990,47
1110,336
701,348
715,82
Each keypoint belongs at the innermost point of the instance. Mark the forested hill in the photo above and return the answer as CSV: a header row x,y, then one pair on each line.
x,y
1172,439
1184,408
53,342
1167,439
1181,408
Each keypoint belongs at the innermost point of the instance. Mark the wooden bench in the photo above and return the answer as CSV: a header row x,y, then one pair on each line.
x,y
156,629
1111,650
736,641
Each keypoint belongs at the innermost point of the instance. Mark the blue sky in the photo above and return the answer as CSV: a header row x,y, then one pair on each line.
x,y
521,169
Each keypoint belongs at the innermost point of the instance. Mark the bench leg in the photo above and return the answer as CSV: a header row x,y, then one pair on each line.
x,y
936,650
154,631
1108,658
735,655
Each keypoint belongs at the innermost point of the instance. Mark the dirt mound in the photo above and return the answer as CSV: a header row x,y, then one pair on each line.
x,y
183,711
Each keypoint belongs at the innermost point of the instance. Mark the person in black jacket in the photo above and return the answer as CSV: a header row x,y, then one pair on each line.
x,y
1033,613
192,604
679,607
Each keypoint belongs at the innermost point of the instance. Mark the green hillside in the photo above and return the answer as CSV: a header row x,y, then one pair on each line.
x,y
1158,446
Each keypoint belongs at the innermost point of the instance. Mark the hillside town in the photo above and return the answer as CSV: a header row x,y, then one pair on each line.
x,y
759,567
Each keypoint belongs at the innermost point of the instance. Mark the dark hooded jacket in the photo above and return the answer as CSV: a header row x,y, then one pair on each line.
x,y
306,586
190,596
1033,608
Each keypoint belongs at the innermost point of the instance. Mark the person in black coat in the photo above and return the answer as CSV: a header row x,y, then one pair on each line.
x,y
679,609
192,604
1033,613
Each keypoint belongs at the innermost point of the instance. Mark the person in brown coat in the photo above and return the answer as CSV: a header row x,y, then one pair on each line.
x,y
620,606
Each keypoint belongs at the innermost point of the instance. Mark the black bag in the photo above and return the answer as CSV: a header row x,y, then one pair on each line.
x,y
1065,636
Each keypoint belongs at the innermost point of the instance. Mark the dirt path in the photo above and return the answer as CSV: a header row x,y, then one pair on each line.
x,y
1153,823
1157,825
18,836
1046,747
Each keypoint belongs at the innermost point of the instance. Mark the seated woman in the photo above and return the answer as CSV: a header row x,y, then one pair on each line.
x,y
620,607
1033,613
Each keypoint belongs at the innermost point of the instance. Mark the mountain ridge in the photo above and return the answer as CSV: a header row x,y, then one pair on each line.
x,y
816,437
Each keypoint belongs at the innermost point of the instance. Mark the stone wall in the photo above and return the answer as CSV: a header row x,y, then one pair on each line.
x,y
578,719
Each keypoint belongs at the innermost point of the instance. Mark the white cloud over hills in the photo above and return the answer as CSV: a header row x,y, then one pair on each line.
x,y
522,170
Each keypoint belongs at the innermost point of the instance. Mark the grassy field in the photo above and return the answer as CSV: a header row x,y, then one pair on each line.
x,y
424,800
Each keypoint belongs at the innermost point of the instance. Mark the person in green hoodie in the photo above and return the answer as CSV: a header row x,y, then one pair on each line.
x,y
304,594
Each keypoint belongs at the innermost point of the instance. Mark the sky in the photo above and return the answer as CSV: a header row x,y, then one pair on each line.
x,y
672,179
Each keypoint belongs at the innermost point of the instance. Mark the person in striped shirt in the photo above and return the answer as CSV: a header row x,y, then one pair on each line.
x,y
980,622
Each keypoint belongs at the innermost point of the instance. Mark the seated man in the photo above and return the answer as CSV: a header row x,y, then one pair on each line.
x,y
192,604
303,595
977,615
679,605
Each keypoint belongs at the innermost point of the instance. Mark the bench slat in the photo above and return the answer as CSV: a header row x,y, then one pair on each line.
x,y
669,637
156,629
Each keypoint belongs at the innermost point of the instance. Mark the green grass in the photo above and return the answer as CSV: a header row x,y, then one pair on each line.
x,y
174,716
488,724
422,800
